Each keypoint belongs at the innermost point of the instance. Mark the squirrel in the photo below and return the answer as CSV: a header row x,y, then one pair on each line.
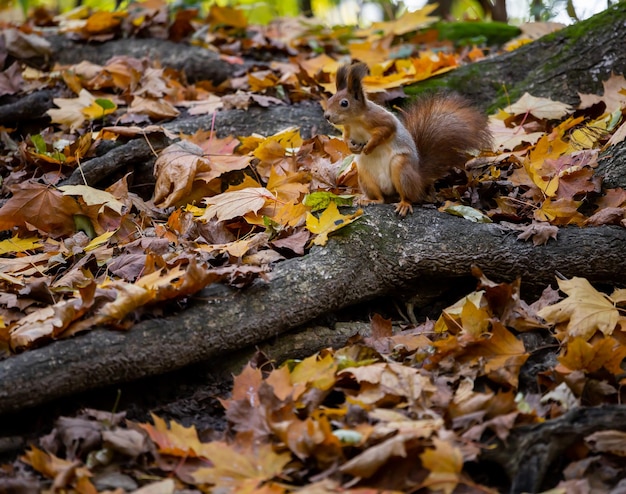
x,y
402,158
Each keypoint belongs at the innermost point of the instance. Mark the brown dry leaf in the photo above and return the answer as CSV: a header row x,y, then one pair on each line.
x,y
445,462
610,441
605,353
585,310
43,207
385,382
65,473
175,170
230,205
157,109
504,355
167,486
209,105
47,322
129,297
367,463
314,372
128,442
612,96
540,232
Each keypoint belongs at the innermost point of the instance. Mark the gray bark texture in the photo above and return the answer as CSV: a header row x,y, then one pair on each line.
x,y
378,255
558,66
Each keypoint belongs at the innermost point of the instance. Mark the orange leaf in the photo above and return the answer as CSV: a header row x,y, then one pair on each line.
x,y
41,206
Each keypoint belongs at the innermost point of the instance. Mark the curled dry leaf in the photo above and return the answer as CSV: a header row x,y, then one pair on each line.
x,y
175,170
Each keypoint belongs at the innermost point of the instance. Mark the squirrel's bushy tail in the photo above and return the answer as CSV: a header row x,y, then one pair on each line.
x,y
446,127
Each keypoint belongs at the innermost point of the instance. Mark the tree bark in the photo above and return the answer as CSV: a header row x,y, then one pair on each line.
x,y
401,256
557,66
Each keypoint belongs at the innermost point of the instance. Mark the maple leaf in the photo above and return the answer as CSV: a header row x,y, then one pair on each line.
x,y
445,463
175,439
241,471
590,357
329,221
585,310
612,96
540,232
542,108
129,297
64,472
43,207
231,204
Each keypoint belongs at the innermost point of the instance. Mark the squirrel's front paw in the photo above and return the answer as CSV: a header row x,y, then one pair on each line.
x,y
364,200
356,147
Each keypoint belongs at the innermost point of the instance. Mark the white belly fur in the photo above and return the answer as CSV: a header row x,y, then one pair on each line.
x,y
376,165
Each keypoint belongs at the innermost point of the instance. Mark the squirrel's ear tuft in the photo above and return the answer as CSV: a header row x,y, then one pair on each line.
x,y
341,80
355,75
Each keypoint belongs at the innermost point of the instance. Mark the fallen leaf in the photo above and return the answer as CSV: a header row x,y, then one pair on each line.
x,y
329,221
585,310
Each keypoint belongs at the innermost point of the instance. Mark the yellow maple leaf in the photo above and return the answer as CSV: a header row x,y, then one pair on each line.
x,y
329,221
240,470
445,462
585,310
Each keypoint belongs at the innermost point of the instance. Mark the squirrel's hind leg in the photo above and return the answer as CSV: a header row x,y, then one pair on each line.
x,y
407,182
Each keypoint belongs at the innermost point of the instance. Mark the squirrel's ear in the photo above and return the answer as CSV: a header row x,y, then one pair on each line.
x,y
341,79
355,75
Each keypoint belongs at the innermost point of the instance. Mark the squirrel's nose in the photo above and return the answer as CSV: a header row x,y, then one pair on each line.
x,y
326,115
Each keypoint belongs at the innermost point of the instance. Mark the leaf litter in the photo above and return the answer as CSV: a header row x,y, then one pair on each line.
x,y
403,410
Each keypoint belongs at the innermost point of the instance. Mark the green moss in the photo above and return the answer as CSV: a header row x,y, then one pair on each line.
x,y
493,33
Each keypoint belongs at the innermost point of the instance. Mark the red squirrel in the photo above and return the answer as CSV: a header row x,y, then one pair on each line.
x,y
402,159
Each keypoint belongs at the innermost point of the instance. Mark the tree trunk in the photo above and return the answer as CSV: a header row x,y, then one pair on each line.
x,y
402,257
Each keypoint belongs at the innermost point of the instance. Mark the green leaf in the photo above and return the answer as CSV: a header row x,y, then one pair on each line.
x,y
106,104
39,143
320,200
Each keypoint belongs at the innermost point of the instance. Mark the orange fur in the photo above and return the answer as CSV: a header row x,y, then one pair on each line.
x,y
402,159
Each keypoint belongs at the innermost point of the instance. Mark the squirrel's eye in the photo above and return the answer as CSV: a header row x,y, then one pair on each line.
x,y
344,103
